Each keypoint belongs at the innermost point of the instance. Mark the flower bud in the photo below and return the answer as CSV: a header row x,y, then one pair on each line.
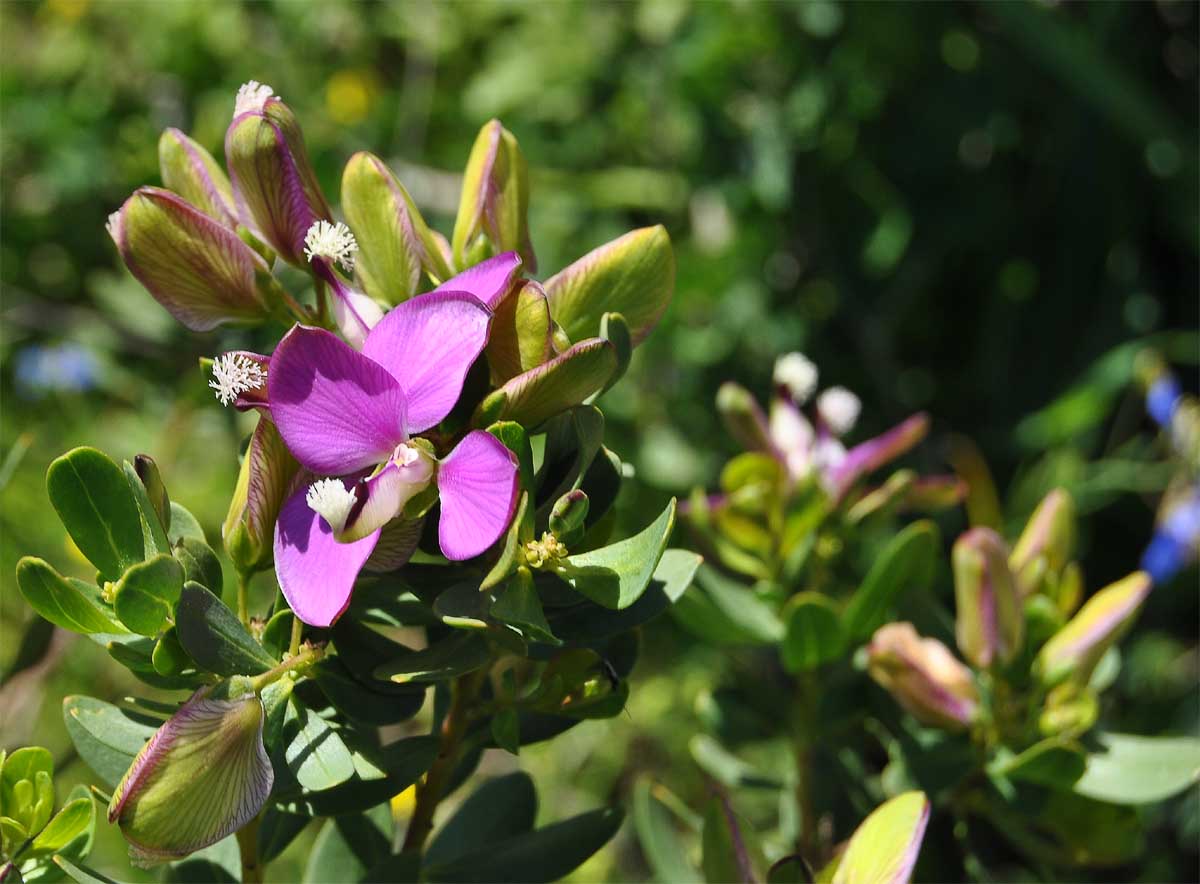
x,y
990,621
1049,533
190,171
743,417
1073,652
923,676
567,516
277,193
495,200
197,268
263,483
203,775
1070,709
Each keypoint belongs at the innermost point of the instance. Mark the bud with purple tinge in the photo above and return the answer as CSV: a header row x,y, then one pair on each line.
x,y
190,171
202,776
1049,534
924,676
990,620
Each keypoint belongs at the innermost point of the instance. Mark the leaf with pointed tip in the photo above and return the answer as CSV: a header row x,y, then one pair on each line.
x,y
664,850
535,396
72,821
449,658
81,874
71,605
616,576
633,275
213,636
92,498
905,564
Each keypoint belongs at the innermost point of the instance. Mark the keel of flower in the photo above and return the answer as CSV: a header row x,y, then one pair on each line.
x,y
235,374
252,96
332,501
332,241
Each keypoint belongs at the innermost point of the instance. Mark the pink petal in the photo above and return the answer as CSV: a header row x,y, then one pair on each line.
x,y
874,453
488,280
315,572
477,484
338,411
428,344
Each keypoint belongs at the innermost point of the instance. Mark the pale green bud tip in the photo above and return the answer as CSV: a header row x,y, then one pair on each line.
x,y
923,675
743,417
990,620
1049,532
202,776
1074,650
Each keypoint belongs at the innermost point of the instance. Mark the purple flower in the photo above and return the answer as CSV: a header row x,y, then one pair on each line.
x,y
352,417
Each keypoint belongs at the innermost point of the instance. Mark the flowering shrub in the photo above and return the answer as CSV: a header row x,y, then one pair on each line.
x,y
428,482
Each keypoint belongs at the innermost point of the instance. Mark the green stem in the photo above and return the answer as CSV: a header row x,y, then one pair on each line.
x,y
243,589
806,704
454,727
297,629
247,839
297,663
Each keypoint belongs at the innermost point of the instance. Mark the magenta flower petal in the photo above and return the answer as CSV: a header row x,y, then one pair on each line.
x,y
428,344
488,280
315,572
338,411
874,453
477,484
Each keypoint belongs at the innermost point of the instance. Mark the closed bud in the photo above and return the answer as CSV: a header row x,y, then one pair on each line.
x,y
567,516
277,193
1048,534
156,489
743,417
495,200
266,475
395,246
990,621
202,776
1070,709
190,171
923,675
1073,652
198,269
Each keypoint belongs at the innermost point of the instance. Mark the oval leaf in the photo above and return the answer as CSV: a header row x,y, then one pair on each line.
x,y
147,593
95,504
61,602
814,632
907,562
213,636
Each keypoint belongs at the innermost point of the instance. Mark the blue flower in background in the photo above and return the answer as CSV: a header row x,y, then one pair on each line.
x,y
62,368
1177,540
1162,398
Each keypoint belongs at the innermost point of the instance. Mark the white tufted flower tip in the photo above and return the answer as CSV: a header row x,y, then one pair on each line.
x,y
252,96
797,373
332,501
234,374
332,241
839,410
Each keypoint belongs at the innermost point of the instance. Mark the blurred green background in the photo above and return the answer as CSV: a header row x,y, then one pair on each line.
x,y
979,210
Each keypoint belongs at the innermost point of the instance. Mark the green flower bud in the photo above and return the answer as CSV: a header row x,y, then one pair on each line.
x,y
197,268
990,621
202,776
156,489
495,200
190,171
263,482
923,676
743,417
1075,649
567,516
276,189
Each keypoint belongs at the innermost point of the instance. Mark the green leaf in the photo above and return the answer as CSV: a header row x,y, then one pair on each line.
x,y
449,658
61,602
151,481
154,536
614,329
535,396
633,275
168,656
665,851
26,788
814,632
1140,770
462,606
517,603
213,636
884,847
506,730
573,439
725,612
146,594
545,854
516,440
184,524
1051,762
359,701
81,874
727,854
906,563
506,562
314,752
726,768
72,821
106,737
278,830
348,846
499,809
95,504
616,576
200,564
